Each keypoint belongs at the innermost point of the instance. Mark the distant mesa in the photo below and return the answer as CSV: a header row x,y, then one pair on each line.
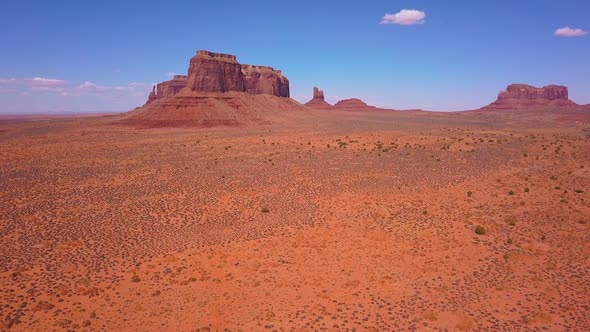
x,y
218,90
218,72
318,102
526,97
353,104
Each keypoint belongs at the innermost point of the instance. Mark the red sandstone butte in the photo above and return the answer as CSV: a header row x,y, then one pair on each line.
x,y
218,91
526,97
218,72
318,102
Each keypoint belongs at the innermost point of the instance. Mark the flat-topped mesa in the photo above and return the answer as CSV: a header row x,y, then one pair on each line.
x,y
353,104
265,80
218,72
203,54
526,97
318,101
524,91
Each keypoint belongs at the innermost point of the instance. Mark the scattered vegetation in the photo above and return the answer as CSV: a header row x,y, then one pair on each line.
x,y
480,230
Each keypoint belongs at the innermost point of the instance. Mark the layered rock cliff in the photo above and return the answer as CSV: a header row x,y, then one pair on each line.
x,y
318,101
215,72
218,72
168,88
218,91
526,97
265,80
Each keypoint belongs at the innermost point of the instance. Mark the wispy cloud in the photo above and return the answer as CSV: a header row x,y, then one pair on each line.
x,y
65,88
45,82
405,17
569,32
7,80
171,74
134,88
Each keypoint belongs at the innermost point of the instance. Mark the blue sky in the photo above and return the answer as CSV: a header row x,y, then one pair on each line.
x,y
82,56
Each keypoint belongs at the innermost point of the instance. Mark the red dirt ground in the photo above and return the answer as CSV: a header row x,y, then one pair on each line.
x,y
330,222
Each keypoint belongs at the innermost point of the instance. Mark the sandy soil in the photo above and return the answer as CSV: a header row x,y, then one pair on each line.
x,y
328,222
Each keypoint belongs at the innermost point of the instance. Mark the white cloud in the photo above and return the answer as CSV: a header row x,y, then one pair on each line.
x,y
7,80
569,32
45,82
404,17
87,86
65,88
171,74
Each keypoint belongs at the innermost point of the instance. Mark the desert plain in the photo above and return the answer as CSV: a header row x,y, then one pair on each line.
x,y
315,221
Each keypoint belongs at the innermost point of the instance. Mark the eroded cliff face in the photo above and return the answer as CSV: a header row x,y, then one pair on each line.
x,y
168,88
527,92
523,96
215,72
265,80
218,72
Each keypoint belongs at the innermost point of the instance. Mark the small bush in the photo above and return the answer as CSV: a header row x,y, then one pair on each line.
x,y
526,190
511,193
469,194
480,230
509,241
135,278
265,210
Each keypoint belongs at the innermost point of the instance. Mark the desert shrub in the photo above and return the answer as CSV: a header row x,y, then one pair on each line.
x,y
511,193
135,278
265,210
526,190
480,230
469,194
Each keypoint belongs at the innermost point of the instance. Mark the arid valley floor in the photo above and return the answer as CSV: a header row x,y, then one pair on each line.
x,y
322,221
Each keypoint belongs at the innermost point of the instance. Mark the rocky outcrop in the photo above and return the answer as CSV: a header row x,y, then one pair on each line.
x,y
526,97
353,104
265,80
218,72
318,101
168,88
317,93
215,72
153,95
218,91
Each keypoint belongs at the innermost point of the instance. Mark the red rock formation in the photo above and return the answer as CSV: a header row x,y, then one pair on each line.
x,y
218,91
168,88
172,87
318,102
526,97
215,72
265,80
353,104
153,95
317,93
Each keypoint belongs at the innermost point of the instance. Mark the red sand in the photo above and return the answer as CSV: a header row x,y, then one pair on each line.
x,y
318,221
